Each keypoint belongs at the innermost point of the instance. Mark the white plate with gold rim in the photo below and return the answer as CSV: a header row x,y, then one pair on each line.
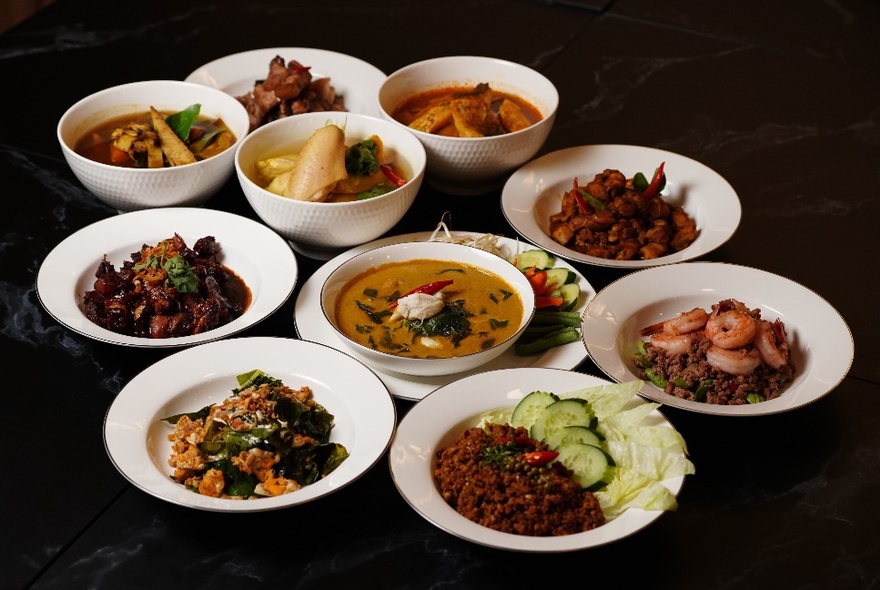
x,y
820,341
534,192
354,79
437,421
312,325
259,256
135,434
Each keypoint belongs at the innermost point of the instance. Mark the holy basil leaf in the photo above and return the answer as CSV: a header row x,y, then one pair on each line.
x,y
452,323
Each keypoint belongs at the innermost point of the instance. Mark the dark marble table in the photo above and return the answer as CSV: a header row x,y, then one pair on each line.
x,y
779,97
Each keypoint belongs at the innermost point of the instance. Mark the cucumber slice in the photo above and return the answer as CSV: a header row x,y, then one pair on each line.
x,y
529,258
592,467
530,407
571,294
574,434
558,415
560,275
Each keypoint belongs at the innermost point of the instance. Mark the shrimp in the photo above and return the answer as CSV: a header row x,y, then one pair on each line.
x,y
685,323
672,344
771,344
730,325
742,361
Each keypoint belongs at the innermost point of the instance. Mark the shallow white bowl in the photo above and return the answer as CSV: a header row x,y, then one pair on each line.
x,y
131,189
330,226
473,165
404,251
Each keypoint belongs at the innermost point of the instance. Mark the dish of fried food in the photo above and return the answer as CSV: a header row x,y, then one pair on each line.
x,y
535,192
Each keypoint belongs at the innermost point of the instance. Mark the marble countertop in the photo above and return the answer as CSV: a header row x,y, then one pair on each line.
x,y
777,98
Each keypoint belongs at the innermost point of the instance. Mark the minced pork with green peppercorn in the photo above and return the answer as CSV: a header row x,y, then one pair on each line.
x,y
511,487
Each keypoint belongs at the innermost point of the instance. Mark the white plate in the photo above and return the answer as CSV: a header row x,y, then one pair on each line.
x,y
259,256
437,421
356,80
821,343
534,193
312,325
136,437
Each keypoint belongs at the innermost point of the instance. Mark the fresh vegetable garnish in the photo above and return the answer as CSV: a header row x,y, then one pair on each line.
x,y
585,200
387,171
657,183
360,159
557,293
181,122
610,447
178,273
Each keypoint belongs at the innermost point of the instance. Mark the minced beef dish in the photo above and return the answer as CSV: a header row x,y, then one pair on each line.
x,y
484,479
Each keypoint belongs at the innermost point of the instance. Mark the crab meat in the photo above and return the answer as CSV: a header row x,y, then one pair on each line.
x,y
419,306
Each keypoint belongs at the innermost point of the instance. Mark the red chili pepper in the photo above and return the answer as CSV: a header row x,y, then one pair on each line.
x,y
387,171
582,204
539,458
429,288
299,69
654,187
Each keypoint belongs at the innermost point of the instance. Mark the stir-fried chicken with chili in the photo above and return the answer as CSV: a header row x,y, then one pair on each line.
x,y
289,89
166,290
611,218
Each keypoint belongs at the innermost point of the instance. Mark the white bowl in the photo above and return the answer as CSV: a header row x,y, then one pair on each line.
x,y
330,226
474,165
131,189
405,251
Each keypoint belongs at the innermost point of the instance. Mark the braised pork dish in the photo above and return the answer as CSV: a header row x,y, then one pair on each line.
x,y
616,218
289,89
727,355
167,290
478,111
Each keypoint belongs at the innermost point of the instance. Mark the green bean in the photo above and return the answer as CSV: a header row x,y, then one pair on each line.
x,y
566,318
551,340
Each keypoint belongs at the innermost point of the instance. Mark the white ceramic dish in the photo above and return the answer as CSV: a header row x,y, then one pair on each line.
x,y
262,259
131,189
473,165
439,419
821,343
314,225
136,437
311,324
534,193
404,252
356,80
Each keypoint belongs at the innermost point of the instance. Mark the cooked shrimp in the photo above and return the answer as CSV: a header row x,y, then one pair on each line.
x,y
730,325
689,321
672,344
742,361
771,344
